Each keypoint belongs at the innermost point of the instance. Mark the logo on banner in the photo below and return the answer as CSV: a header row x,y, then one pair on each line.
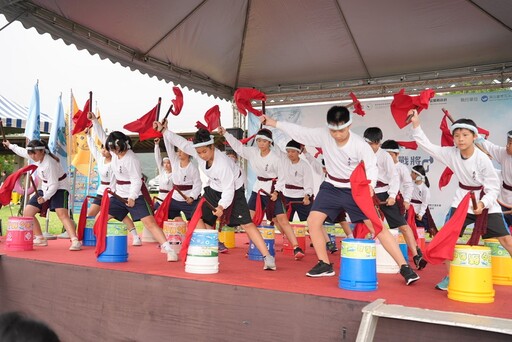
x,y
485,98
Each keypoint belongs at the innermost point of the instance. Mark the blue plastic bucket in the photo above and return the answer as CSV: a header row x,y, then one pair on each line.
x,y
89,238
358,267
116,249
203,252
267,232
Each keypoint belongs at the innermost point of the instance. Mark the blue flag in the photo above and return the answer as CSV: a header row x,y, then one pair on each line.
x,y
33,128
57,141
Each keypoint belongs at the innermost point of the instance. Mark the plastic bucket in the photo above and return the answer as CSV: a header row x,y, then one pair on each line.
x,y
89,239
267,232
227,236
401,243
385,263
20,234
175,232
203,252
358,269
471,275
116,249
300,233
501,263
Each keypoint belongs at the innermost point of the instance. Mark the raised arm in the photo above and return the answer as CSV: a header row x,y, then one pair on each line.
x,y
158,157
236,145
304,135
97,128
20,151
182,143
93,148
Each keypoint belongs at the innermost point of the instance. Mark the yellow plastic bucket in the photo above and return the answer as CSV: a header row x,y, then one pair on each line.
x,y
471,275
501,263
227,236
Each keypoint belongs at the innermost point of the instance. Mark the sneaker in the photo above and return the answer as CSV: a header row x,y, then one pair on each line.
x,y
222,247
418,250
40,242
270,263
298,253
136,241
172,256
331,247
321,270
409,275
75,245
64,235
419,262
443,284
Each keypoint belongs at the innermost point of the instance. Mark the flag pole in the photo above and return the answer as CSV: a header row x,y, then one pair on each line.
x,y
158,108
71,169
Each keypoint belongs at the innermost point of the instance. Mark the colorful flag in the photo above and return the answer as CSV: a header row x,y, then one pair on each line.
x,y
10,182
80,119
144,126
57,141
177,103
32,129
402,103
80,153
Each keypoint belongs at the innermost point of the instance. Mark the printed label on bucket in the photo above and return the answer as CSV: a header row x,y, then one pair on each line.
x,y
116,229
472,258
358,250
497,249
175,228
20,223
204,245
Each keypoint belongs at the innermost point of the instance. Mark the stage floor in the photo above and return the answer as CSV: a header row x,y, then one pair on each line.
x,y
236,269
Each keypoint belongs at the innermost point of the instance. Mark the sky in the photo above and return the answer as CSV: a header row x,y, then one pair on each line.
x,y
120,94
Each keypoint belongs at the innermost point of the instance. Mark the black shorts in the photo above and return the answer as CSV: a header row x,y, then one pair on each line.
x,y
177,207
119,210
240,213
301,209
97,200
59,200
496,226
331,201
392,212
279,207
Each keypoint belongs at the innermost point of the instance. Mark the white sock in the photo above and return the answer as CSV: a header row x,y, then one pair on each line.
x,y
40,236
133,231
167,246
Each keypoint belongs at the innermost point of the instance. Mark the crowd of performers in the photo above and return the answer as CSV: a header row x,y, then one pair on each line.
x,y
284,185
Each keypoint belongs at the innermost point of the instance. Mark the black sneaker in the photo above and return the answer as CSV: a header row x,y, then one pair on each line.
x,y
409,275
321,270
418,250
298,253
419,262
222,248
331,247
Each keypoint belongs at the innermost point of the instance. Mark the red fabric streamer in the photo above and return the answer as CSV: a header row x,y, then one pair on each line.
x,y
243,98
82,220
361,194
100,226
446,135
177,103
411,221
258,212
212,118
80,119
198,213
144,126
200,125
360,231
402,103
319,152
443,244
10,182
246,140
162,213
410,145
358,108
445,178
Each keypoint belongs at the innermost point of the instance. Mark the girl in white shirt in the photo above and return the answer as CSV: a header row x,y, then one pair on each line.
x,y
164,174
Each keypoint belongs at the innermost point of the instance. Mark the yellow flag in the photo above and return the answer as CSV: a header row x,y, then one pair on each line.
x,y
80,152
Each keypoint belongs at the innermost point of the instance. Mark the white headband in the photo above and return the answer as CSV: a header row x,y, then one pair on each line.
x,y
29,148
392,150
419,174
264,137
509,135
293,148
165,158
339,127
204,143
466,126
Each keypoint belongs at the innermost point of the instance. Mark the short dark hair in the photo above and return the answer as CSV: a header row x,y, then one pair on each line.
x,y
119,140
202,135
466,122
374,134
16,327
390,145
337,115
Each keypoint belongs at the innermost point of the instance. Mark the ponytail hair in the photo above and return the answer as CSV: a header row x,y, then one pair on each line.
x,y
118,140
421,170
41,145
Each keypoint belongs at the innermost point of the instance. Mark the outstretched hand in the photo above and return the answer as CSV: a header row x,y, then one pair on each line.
x,y
157,126
221,130
91,116
415,117
267,121
6,143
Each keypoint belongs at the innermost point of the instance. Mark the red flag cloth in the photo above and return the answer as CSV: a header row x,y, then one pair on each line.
x,y
162,213
10,182
361,194
198,213
144,126
358,108
483,131
258,212
446,135
411,221
82,220
246,140
410,145
212,118
360,231
100,226
177,103
443,244
243,98
319,152
200,125
445,178
402,103
80,119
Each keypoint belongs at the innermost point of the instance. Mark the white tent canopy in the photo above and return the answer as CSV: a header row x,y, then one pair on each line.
x,y
14,115
318,48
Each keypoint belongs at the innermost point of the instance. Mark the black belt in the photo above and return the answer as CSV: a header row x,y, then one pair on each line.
x,y
415,201
61,178
506,186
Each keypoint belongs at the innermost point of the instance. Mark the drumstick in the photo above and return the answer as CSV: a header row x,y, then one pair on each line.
x,y
117,196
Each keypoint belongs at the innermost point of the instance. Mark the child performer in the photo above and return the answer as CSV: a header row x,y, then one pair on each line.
x,y
103,161
268,164
225,188
503,155
421,198
185,178
164,174
55,190
127,185
475,173
343,151
386,190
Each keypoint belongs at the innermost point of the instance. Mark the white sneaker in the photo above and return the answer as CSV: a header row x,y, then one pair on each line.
x,y
75,245
64,235
270,263
136,241
40,241
172,256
